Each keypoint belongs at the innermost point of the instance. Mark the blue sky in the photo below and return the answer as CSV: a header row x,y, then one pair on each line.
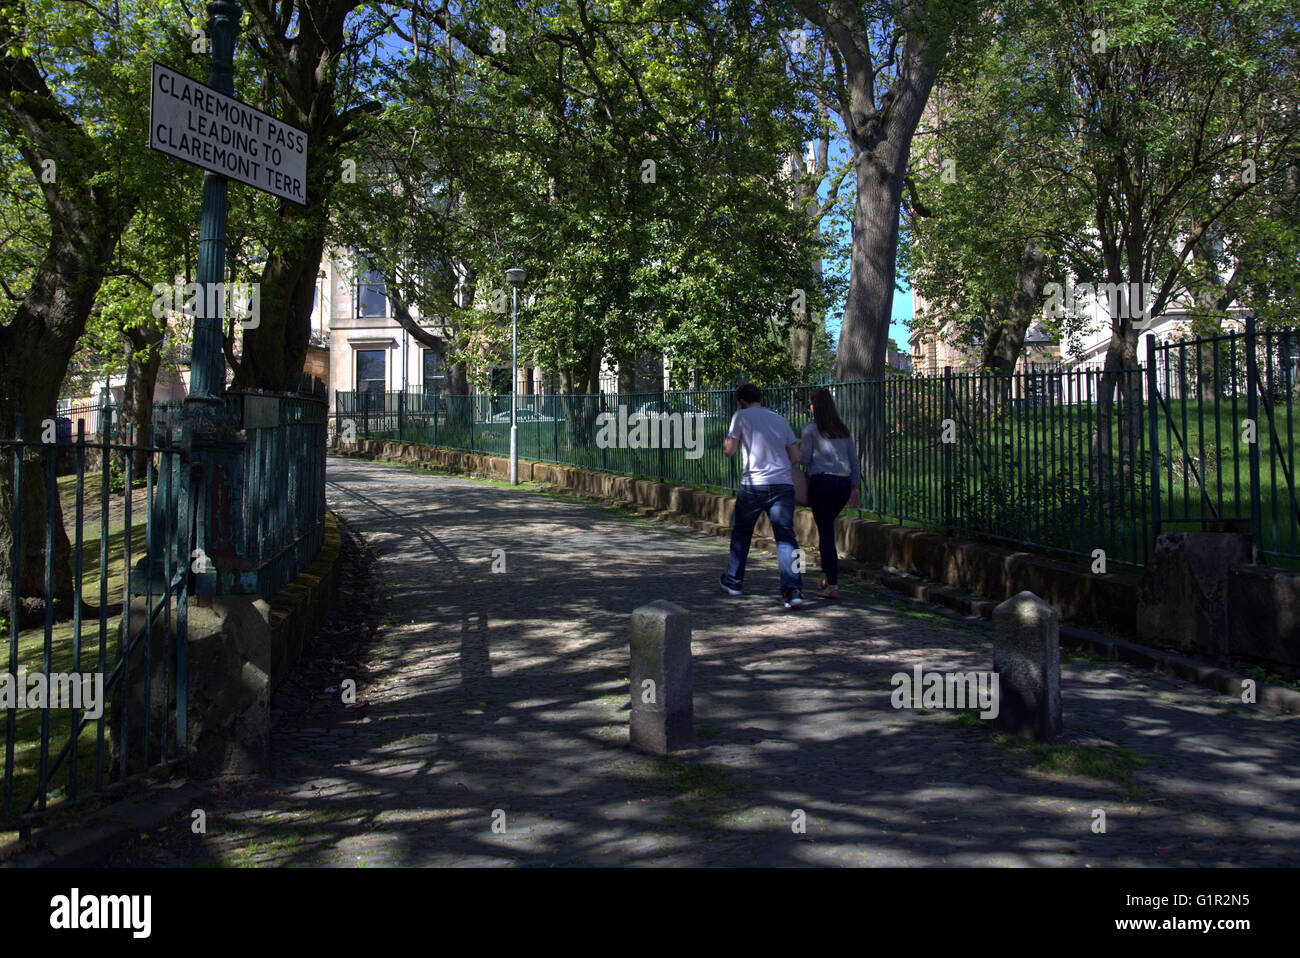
x,y
897,328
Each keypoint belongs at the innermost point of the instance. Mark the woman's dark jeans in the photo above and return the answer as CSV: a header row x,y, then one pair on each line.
x,y
827,494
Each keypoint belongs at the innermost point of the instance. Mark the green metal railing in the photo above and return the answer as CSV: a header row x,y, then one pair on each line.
x,y
283,522
141,665
1224,436
146,527
280,529
1036,458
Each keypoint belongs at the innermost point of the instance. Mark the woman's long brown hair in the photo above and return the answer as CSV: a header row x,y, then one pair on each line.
x,y
827,418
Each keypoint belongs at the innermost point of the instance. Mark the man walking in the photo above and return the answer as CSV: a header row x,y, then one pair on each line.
x,y
770,451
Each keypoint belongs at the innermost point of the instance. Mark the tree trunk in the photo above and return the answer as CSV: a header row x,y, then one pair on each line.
x,y
865,333
303,52
881,138
87,213
1005,337
143,357
35,348
275,349
627,373
1005,334
801,347
32,362
1118,380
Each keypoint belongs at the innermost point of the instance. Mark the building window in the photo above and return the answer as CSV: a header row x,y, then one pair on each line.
x,y
370,295
440,278
435,379
371,376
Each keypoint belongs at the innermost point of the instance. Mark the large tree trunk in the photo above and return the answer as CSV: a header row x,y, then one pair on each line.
x,y
880,134
86,217
34,352
864,335
303,66
867,310
275,349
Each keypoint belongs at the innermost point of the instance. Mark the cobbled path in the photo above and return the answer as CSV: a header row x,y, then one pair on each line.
x,y
490,726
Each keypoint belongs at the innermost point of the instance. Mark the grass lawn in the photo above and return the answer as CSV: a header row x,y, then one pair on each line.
x,y
65,653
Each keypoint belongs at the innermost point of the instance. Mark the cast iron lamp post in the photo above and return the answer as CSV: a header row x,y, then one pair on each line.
x,y
515,277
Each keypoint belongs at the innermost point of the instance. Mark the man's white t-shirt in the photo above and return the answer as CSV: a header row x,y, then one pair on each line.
x,y
764,436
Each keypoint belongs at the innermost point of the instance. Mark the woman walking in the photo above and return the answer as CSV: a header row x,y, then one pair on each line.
x,y
831,459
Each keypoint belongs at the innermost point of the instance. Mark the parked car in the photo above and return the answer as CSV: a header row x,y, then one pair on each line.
x,y
657,408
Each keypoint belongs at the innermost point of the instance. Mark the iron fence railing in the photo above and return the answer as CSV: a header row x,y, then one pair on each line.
x,y
1224,435
112,675
1077,461
282,519
93,416
117,558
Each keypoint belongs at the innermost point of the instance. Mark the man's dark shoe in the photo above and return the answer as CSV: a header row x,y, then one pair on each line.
x,y
730,590
793,598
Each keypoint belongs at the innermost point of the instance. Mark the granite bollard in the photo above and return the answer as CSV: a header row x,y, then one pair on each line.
x,y
1027,660
662,689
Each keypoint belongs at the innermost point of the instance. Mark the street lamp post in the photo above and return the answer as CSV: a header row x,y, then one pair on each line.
x,y
209,431
515,277
204,406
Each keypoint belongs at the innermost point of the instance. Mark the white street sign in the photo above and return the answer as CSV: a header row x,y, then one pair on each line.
x,y
193,122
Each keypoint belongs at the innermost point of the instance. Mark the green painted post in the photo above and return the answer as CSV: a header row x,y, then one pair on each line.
x,y
1153,428
212,434
1252,412
946,455
208,364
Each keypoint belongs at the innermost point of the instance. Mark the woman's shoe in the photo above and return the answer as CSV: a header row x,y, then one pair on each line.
x,y
828,591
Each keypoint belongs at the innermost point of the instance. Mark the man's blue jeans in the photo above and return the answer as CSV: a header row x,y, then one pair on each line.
x,y
752,501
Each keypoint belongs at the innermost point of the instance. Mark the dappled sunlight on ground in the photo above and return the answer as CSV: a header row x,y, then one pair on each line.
x,y
507,693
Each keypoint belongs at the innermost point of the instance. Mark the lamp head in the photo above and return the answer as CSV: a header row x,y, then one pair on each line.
x,y
515,277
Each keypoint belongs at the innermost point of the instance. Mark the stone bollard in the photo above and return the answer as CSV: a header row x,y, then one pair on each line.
x,y
662,691
1027,660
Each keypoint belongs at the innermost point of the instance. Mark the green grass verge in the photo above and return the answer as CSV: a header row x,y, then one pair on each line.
x,y
64,656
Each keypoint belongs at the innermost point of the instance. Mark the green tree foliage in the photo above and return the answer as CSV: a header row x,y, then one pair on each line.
x,y
74,85
628,156
992,213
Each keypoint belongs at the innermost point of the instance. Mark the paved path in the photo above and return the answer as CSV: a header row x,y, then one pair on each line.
x,y
508,692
